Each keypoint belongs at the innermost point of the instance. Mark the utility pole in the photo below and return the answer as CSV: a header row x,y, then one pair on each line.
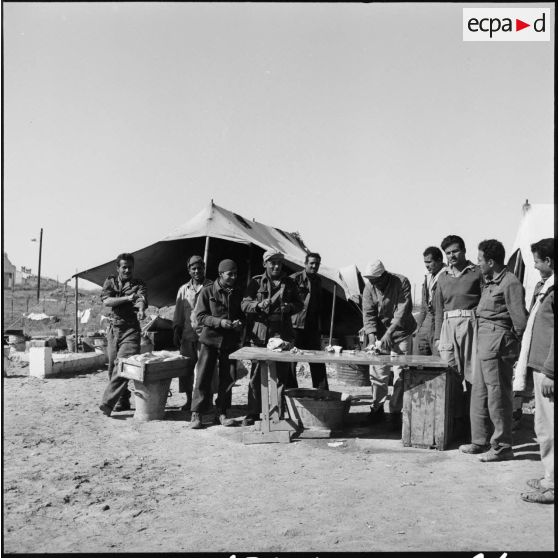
x,y
39,271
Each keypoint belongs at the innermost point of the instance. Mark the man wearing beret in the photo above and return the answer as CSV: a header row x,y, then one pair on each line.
x,y
269,301
387,315
186,330
219,314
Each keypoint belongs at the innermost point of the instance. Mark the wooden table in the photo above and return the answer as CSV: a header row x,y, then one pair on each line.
x,y
275,429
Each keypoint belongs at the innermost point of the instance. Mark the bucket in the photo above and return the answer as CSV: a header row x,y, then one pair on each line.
x,y
151,399
353,374
325,341
318,409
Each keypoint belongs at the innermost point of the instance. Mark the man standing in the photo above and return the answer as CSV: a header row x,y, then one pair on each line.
x,y
306,324
434,263
218,312
186,329
502,317
456,297
269,301
537,355
387,315
127,298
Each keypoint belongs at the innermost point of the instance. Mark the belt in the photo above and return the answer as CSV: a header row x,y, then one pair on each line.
x,y
459,314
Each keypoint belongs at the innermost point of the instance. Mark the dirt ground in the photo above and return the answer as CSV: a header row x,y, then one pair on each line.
x,y
77,481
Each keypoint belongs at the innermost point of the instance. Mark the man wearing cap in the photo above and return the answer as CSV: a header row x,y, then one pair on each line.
x,y
219,314
269,302
306,323
387,315
186,330
126,296
455,300
434,263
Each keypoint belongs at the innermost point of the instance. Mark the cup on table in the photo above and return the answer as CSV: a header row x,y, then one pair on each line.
x,y
337,349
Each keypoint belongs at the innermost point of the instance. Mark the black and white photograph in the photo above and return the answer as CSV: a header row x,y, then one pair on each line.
x,y
278,277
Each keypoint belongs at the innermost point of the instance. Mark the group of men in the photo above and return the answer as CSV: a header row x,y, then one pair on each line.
x,y
472,316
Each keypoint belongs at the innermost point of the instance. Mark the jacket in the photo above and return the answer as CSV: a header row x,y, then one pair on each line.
x,y
264,324
124,314
309,290
541,352
184,316
216,303
390,310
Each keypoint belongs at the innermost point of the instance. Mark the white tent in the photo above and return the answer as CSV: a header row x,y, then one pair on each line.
x,y
536,223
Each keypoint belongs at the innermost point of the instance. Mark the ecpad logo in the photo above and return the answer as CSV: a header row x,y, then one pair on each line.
x,y
506,24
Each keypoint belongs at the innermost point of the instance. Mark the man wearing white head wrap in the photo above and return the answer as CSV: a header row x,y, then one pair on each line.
x,y
387,315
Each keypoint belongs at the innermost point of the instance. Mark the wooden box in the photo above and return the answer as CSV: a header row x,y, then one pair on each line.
x,y
429,400
151,371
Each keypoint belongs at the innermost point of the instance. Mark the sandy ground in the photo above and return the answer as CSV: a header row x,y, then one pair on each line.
x,y
76,481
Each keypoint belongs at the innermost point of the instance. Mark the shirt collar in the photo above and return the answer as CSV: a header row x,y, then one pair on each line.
x,y
452,271
497,278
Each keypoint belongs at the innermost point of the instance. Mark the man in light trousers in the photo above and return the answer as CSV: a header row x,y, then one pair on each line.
x,y
387,315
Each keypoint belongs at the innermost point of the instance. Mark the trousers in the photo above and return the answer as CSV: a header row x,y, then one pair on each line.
x,y
379,378
209,357
284,381
458,344
491,404
544,429
122,341
191,350
310,339
425,337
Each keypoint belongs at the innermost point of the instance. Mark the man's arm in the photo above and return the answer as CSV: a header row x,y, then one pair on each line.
x,y
514,295
294,304
369,311
438,310
202,310
403,308
109,295
423,306
250,304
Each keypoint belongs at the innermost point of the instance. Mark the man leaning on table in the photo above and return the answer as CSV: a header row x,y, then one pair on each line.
x,y
502,318
387,315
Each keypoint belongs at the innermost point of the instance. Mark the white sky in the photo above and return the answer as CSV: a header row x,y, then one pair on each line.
x,y
372,129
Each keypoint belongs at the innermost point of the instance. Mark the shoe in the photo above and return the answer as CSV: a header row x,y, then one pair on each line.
x,y
122,405
223,420
376,416
474,448
105,409
493,454
535,483
195,422
248,421
539,496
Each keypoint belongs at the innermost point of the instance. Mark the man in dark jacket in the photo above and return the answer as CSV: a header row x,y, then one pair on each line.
x,y
387,315
306,323
269,302
434,263
218,312
502,318
538,352
127,299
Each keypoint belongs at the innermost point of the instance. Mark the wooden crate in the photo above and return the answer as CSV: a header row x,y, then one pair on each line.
x,y
151,371
429,400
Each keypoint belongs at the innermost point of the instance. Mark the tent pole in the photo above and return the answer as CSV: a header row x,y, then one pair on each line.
x,y
206,252
77,323
249,276
332,313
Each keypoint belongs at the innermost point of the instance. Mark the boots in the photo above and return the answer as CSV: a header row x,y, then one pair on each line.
x,y
195,422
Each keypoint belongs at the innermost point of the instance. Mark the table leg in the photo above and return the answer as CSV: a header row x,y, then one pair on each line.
x,y
273,429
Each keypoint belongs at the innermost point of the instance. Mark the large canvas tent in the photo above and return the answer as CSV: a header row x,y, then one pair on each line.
x,y
536,223
217,233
